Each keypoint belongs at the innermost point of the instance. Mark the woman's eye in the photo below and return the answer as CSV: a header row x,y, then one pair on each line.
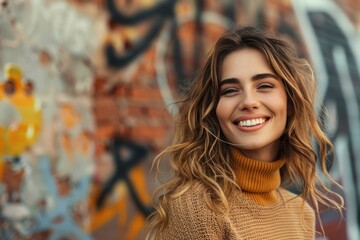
x,y
228,91
265,86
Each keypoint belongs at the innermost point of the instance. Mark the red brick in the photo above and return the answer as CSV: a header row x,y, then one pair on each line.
x,y
137,111
146,133
158,112
105,131
142,93
122,90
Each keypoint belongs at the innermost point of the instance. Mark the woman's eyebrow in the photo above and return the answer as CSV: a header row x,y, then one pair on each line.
x,y
254,78
264,75
229,81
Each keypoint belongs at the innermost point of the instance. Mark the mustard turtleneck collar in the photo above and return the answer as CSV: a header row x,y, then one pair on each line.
x,y
258,180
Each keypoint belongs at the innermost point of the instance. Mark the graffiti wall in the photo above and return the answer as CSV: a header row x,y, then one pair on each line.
x,y
86,102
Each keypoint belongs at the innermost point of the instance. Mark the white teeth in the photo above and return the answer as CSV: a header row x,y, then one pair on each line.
x,y
252,122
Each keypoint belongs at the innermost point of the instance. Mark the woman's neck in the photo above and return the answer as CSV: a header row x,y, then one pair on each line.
x,y
258,180
268,153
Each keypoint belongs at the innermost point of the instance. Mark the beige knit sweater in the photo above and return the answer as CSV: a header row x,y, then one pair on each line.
x,y
262,210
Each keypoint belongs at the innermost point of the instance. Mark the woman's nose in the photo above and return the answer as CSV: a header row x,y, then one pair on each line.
x,y
248,101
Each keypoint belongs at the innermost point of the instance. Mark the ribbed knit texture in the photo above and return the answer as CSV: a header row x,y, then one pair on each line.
x,y
258,180
251,216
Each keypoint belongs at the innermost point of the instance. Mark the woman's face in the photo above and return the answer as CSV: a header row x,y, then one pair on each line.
x,y
252,108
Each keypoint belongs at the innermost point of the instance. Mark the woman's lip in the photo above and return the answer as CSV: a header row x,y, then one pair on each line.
x,y
250,117
252,128
241,119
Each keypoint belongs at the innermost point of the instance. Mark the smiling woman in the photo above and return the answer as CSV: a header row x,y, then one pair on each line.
x,y
252,108
245,127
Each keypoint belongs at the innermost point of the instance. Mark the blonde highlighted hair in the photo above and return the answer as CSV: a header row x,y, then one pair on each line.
x,y
200,152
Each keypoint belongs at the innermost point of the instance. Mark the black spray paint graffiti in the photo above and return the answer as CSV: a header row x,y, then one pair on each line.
x,y
159,12
163,11
126,155
330,37
202,19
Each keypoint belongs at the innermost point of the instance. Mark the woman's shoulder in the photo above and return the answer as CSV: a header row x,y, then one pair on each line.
x,y
191,196
295,205
190,217
295,201
287,195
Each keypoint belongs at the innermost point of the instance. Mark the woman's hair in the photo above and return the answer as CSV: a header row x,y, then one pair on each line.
x,y
200,152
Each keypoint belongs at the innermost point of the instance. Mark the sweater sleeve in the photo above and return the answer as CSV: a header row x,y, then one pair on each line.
x,y
190,218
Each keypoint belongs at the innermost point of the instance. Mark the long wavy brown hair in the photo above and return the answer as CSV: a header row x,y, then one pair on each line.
x,y
200,152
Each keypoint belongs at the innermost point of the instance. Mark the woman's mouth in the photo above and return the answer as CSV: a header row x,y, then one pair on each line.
x,y
251,122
